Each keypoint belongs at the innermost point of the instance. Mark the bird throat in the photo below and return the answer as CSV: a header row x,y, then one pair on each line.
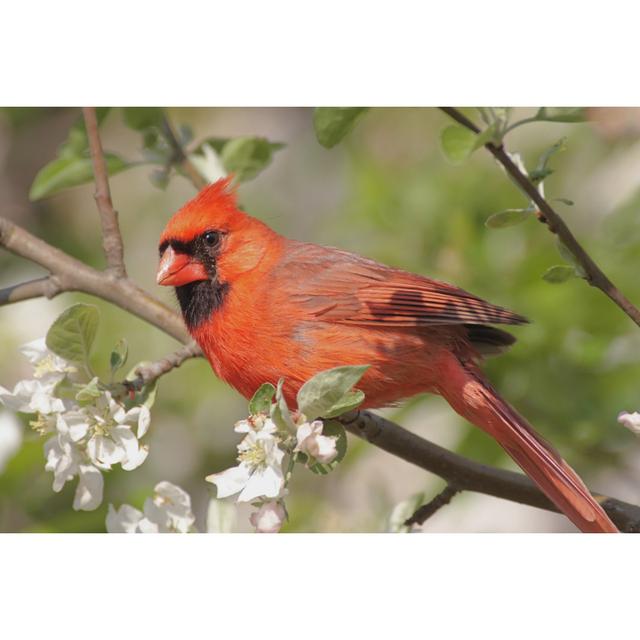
x,y
199,300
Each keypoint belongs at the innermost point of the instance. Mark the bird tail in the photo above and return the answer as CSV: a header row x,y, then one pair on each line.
x,y
475,399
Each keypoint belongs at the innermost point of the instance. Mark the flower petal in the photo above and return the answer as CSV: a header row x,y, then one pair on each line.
x,y
266,481
124,520
144,419
230,481
89,492
268,518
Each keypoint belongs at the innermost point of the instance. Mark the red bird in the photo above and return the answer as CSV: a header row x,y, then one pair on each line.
x,y
263,307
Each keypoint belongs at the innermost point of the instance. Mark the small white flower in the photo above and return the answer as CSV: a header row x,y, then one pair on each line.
x,y
168,511
123,520
66,461
110,437
32,396
314,444
170,508
630,420
47,365
10,437
268,518
260,470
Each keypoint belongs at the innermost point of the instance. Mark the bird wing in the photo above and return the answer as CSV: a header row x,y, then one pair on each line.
x,y
337,286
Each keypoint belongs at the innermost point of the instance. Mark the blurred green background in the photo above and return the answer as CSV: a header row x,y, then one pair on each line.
x,y
386,192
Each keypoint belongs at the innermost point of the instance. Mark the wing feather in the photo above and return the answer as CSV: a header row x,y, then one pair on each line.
x,y
349,289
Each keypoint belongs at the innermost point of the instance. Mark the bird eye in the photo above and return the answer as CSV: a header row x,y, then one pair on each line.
x,y
211,238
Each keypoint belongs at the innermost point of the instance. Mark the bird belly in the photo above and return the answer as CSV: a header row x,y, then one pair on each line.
x,y
245,355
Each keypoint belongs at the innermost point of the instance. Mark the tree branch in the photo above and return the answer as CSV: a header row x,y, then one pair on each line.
x,y
111,237
153,371
46,287
422,514
468,475
180,157
72,275
69,274
594,275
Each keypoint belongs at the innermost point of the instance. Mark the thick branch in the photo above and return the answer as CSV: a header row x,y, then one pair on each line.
x,y
111,238
72,275
467,475
554,222
180,157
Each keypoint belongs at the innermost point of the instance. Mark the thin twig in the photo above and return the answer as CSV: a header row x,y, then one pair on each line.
x,y
47,287
593,274
423,513
150,372
468,475
180,157
111,237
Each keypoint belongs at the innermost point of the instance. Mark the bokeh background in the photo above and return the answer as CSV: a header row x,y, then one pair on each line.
x,y
386,192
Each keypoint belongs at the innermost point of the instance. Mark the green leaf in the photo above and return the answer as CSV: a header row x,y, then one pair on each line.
x,y
325,391
486,136
559,273
69,171
332,428
119,355
332,124
566,201
89,392
141,118
261,400
73,332
458,143
350,401
246,157
507,218
280,413
561,114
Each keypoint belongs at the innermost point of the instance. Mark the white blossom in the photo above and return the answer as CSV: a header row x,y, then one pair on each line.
x,y
314,444
630,420
269,517
32,396
123,520
48,367
168,511
259,473
66,461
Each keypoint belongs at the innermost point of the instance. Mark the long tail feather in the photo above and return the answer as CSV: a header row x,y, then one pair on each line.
x,y
476,400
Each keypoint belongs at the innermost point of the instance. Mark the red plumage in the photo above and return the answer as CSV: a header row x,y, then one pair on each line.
x,y
288,309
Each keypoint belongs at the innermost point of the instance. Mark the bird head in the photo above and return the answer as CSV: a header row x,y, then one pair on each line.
x,y
206,246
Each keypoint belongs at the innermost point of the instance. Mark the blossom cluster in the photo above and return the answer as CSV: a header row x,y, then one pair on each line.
x,y
90,431
260,477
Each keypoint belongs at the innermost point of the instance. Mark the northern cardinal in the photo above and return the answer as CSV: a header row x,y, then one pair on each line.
x,y
264,307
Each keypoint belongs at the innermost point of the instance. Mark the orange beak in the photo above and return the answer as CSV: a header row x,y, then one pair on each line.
x,y
176,269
